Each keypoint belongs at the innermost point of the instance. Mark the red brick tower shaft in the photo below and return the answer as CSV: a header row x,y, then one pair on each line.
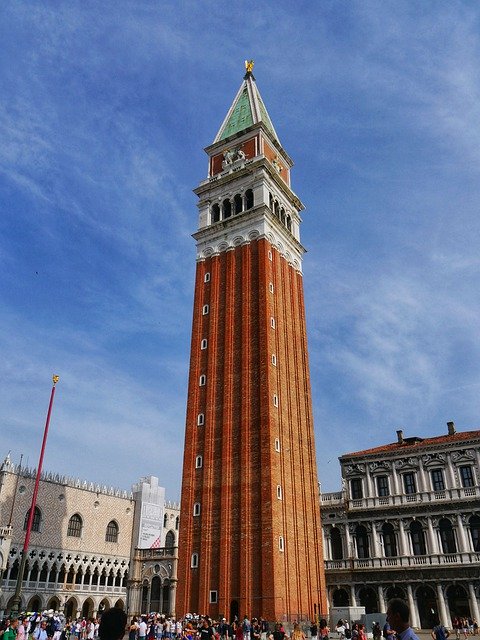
x,y
250,532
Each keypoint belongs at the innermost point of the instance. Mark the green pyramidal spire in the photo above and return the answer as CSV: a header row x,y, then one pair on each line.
x,y
247,109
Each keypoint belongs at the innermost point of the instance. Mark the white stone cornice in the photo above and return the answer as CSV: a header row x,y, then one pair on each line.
x,y
245,228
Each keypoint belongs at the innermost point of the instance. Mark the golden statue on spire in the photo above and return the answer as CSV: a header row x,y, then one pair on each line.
x,y
249,65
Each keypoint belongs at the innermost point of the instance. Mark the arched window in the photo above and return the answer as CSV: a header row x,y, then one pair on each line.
x,y
447,536
170,540
237,203
203,344
37,518
227,208
196,509
111,534
474,523
194,561
248,199
270,201
200,419
202,380
165,520
337,547
215,213
289,223
389,540
361,537
177,522
282,215
75,526
417,536
198,462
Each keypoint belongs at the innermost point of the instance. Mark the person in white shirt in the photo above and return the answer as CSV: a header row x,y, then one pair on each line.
x,y
142,629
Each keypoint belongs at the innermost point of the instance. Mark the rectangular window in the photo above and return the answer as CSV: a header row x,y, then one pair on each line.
x,y
438,483
277,444
272,322
409,484
275,401
279,492
281,545
466,476
205,309
270,255
270,286
382,486
202,381
274,360
213,597
203,344
356,488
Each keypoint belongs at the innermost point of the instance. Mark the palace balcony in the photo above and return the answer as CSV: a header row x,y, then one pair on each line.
x,y
441,559
371,502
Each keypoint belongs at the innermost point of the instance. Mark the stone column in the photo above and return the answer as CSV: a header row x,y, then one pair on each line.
x,y
348,543
381,599
394,477
474,611
370,485
327,545
451,474
412,605
442,609
423,482
402,539
353,597
173,592
375,542
432,537
462,541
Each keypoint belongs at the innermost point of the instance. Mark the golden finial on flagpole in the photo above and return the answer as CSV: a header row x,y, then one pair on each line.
x,y
55,379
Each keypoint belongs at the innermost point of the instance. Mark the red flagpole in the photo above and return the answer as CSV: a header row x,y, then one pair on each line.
x,y
16,597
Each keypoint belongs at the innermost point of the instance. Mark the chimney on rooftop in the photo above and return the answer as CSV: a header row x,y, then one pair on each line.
x,y
451,428
400,436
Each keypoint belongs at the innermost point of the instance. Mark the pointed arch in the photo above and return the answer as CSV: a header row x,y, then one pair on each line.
x,y
75,525
111,534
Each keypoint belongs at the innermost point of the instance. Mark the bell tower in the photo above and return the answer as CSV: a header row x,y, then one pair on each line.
x,y
250,532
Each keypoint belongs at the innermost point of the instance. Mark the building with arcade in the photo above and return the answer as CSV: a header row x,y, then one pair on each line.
x,y
407,524
91,547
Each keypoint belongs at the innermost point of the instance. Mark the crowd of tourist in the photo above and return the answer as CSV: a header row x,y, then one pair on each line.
x,y
51,625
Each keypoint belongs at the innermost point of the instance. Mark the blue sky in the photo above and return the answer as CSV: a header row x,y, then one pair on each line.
x,y
105,109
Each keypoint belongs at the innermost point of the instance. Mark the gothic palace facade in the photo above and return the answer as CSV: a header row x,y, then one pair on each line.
x,y
92,546
407,524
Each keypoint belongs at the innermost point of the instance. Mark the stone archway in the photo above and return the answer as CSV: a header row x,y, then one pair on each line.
x,y
368,599
54,603
104,606
87,608
427,606
395,592
457,599
71,607
340,598
34,604
155,591
119,604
